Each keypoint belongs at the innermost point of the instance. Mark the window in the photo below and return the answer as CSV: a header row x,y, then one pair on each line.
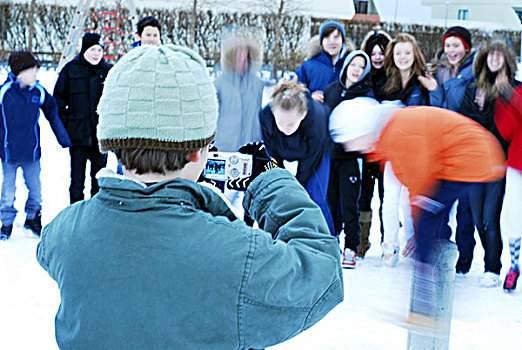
x,y
463,14
361,6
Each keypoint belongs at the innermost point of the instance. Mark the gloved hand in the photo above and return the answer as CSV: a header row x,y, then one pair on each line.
x,y
260,162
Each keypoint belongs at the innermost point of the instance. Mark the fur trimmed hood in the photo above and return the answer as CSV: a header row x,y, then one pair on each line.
x,y
501,45
236,37
313,48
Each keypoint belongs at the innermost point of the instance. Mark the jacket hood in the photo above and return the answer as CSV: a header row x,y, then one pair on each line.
x,y
349,58
237,37
502,45
313,48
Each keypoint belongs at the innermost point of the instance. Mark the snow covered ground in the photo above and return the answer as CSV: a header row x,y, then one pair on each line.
x,y
29,298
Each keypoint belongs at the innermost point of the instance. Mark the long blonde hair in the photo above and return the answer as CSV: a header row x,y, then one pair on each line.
x,y
394,81
289,94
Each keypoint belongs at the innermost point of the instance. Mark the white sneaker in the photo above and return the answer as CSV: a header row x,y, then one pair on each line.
x,y
348,259
390,255
490,280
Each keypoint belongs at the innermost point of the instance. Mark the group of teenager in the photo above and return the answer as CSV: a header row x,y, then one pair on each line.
x,y
330,126
295,129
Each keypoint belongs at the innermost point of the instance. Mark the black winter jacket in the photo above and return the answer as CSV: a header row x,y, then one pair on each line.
x,y
413,95
336,93
484,117
77,93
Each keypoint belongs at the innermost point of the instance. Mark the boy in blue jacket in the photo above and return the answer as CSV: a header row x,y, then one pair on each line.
x,y
21,98
325,60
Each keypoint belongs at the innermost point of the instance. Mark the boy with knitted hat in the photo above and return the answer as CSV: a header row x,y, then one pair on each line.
x,y
21,98
325,59
156,260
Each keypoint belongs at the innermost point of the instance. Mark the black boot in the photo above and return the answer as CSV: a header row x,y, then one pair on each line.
x,y
463,264
5,232
35,224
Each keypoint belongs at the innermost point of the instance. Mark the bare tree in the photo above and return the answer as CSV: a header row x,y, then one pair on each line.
x,y
198,5
278,10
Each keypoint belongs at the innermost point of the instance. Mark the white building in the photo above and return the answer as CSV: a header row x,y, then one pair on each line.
x,y
499,14
486,14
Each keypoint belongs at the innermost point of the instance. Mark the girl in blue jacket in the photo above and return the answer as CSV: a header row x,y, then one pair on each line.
x,y
294,128
447,89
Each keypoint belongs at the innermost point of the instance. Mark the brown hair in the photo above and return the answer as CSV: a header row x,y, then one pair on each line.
x,y
485,77
144,161
394,81
289,94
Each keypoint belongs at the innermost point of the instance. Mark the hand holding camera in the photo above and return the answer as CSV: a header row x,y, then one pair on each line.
x,y
238,169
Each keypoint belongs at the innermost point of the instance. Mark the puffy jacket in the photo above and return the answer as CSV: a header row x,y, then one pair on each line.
x,y
508,118
426,144
450,92
318,71
307,144
77,92
19,129
169,266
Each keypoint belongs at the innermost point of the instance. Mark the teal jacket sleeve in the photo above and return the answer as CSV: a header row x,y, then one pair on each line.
x,y
294,278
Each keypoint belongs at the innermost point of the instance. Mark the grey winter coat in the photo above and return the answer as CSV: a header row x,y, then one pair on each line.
x,y
169,267
240,98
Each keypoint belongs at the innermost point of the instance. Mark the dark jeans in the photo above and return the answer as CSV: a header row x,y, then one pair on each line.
x,y
79,157
371,173
343,194
431,220
486,204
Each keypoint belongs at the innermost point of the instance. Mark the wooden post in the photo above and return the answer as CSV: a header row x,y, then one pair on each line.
x,y
445,256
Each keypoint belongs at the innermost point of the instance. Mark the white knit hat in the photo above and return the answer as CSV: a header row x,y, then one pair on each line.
x,y
359,117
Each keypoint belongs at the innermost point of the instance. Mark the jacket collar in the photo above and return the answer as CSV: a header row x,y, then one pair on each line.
x,y
136,195
12,78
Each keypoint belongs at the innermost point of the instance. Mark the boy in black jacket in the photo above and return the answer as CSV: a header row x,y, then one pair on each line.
x,y
77,92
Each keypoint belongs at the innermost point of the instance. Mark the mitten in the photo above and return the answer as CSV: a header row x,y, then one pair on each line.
x,y
261,162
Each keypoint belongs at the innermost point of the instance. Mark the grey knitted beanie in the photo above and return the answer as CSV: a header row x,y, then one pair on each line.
x,y
158,97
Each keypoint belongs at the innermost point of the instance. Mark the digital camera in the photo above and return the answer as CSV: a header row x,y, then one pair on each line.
x,y
223,166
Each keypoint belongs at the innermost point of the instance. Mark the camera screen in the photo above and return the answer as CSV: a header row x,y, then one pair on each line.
x,y
215,167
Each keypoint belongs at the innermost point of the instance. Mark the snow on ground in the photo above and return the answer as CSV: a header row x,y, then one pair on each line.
x,y
29,298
